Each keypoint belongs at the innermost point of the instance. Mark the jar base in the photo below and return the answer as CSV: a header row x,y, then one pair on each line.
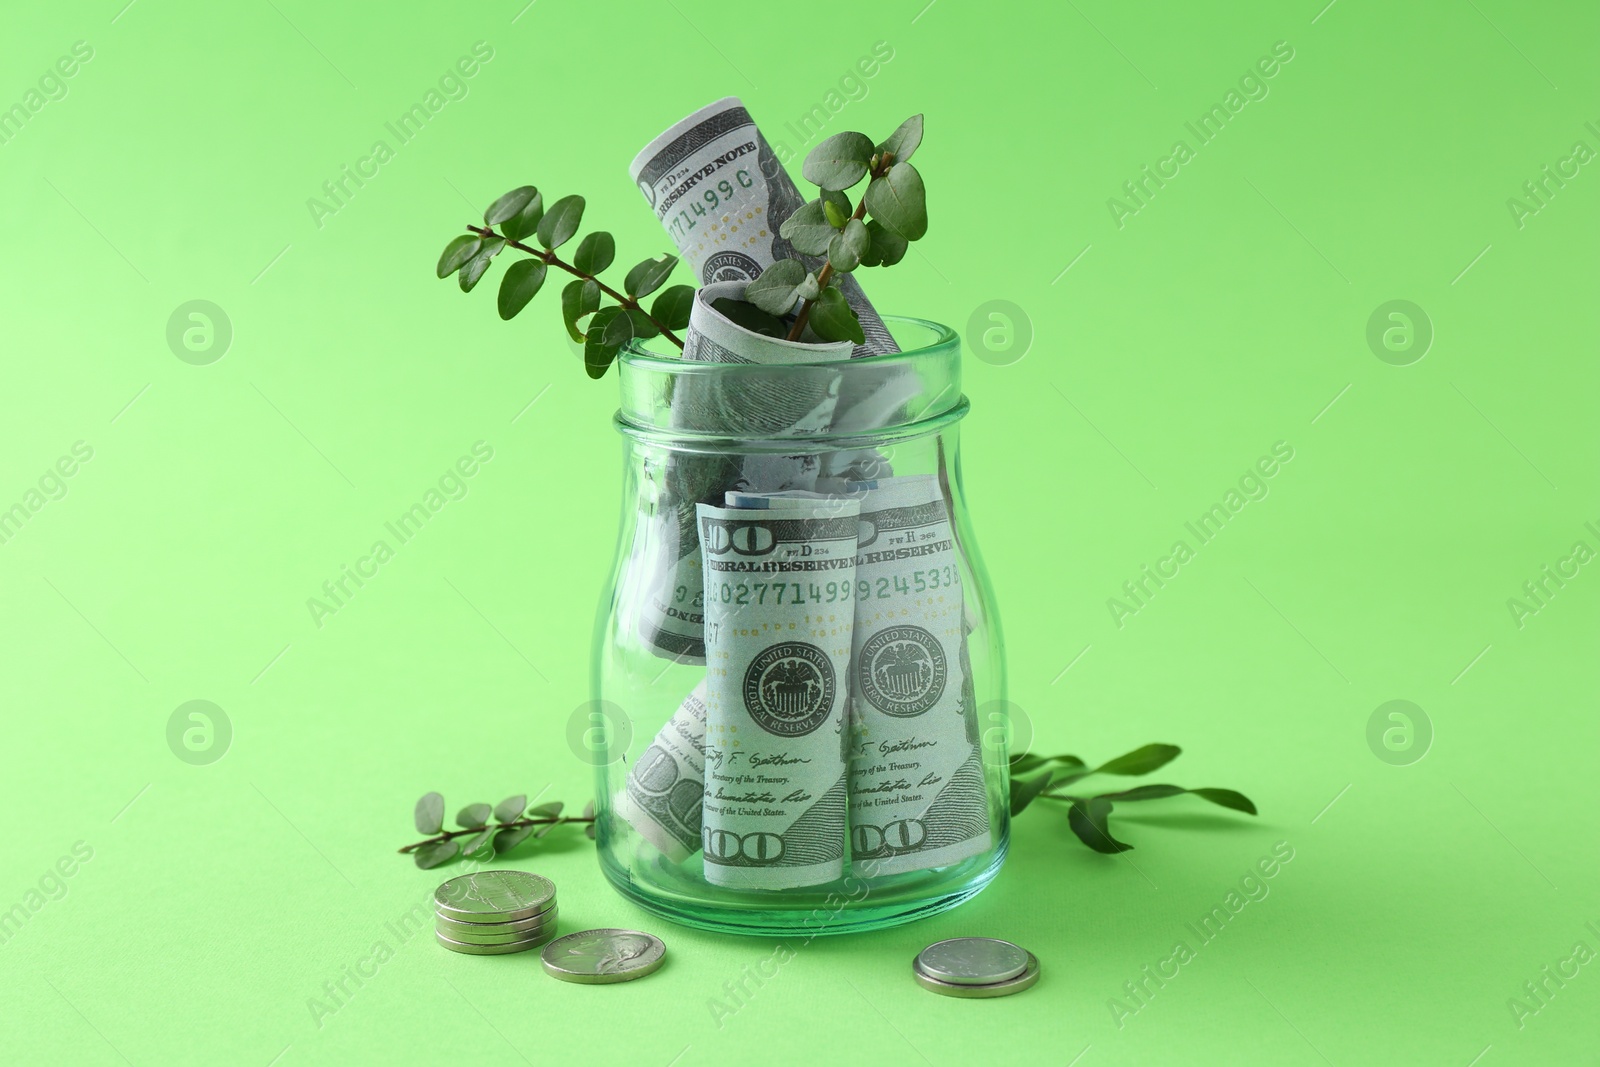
x,y
894,908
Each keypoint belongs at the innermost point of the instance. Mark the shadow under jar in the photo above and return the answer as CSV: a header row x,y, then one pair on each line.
x,y
798,723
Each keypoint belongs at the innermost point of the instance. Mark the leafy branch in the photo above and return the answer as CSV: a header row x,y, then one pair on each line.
x,y
509,829
520,214
1088,815
874,233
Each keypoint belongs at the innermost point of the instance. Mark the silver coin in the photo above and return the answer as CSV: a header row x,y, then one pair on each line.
x,y
476,931
972,961
489,950
600,957
489,934
995,989
494,896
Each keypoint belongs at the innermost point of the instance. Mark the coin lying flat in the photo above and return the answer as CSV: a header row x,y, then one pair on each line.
x,y
494,935
994,989
489,950
460,931
600,957
972,961
494,896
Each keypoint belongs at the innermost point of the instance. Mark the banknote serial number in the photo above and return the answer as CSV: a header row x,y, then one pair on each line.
x,y
885,588
713,198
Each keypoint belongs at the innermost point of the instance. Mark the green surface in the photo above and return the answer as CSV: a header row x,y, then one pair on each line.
x,y
1228,313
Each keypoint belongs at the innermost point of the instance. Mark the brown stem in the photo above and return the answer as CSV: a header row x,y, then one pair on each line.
x,y
823,275
553,260
450,835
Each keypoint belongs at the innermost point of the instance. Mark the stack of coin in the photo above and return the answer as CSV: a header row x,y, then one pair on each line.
x,y
492,913
975,967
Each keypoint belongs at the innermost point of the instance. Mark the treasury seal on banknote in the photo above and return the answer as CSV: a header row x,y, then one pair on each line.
x,y
902,671
788,689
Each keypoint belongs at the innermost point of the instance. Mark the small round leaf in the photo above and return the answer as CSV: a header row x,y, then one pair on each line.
x,y
672,306
646,277
899,201
579,298
510,205
506,840
839,161
472,816
808,229
521,282
429,856
904,141
833,319
560,222
457,252
430,814
595,252
510,809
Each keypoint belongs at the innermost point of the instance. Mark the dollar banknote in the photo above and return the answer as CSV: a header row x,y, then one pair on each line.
x,y
672,618
780,610
917,791
719,190
665,787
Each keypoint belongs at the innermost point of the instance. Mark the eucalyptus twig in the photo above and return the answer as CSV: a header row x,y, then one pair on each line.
x,y
509,829
553,260
876,232
1088,815
520,214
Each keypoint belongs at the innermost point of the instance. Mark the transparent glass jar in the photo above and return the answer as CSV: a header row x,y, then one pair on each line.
x,y
922,836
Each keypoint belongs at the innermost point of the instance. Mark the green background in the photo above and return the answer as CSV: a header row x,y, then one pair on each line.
x,y
1229,313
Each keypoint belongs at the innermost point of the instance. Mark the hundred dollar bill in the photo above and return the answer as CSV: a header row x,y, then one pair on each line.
x,y
665,788
672,618
720,191
780,592
917,792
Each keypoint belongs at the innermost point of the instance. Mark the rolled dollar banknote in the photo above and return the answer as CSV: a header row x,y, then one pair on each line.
x,y
917,792
715,184
780,610
665,787
672,619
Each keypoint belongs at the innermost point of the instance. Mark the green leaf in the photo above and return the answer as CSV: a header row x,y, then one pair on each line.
x,y
588,831
837,216
672,306
809,288
430,856
835,320
643,327
549,809
839,161
1141,760
597,353
899,201
808,229
457,252
1088,821
646,277
595,252
546,828
509,205
1025,762
472,816
1025,790
522,280
588,811
525,221
506,840
560,222
752,318
430,814
840,201
887,247
848,246
482,843
1228,798
510,809
774,291
1147,792
904,141
473,269
579,298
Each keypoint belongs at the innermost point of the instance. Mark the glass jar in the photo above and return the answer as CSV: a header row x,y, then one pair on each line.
x,y
907,721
